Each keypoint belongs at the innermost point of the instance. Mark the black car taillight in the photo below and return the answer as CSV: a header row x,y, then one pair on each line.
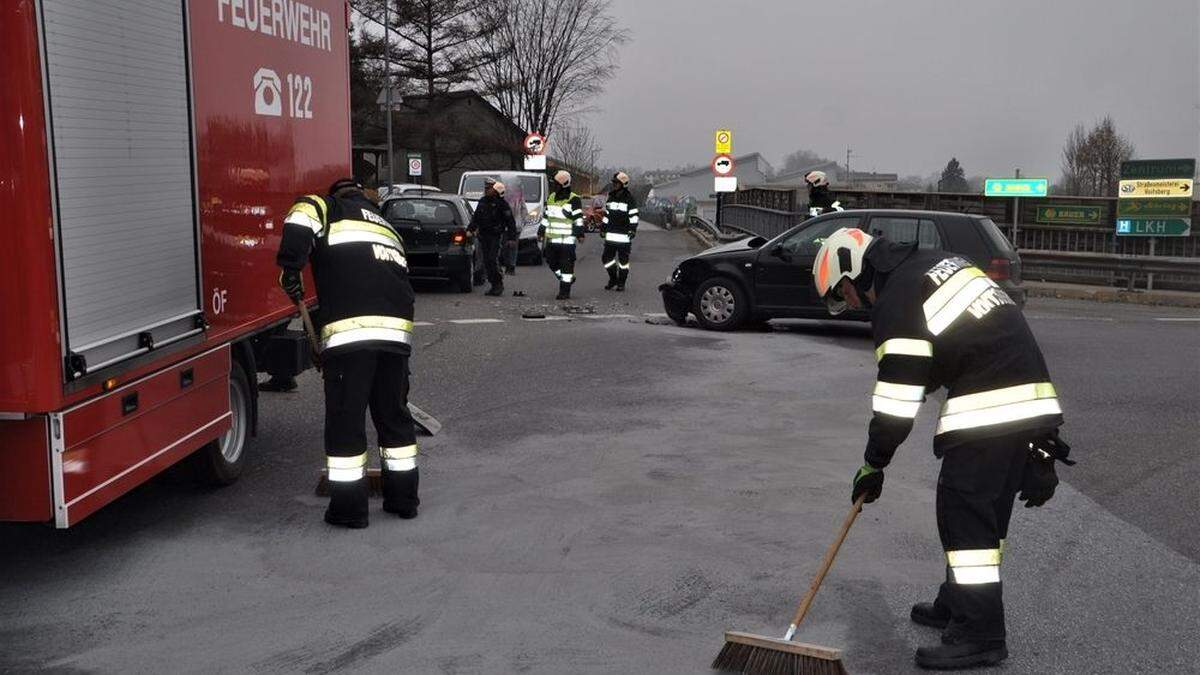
x,y
459,237
1000,269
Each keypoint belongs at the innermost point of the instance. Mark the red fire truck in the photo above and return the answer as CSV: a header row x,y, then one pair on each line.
x,y
148,154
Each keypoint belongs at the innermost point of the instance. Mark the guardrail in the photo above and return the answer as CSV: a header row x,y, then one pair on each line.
x,y
761,221
1108,269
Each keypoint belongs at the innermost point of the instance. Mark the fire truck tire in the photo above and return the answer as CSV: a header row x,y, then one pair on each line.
x,y
221,462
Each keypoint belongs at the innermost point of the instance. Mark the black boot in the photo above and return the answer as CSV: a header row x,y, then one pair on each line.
x,y
279,384
400,492
497,289
612,283
929,614
961,653
347,504
564,291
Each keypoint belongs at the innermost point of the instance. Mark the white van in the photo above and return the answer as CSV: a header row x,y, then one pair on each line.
x,y
525,192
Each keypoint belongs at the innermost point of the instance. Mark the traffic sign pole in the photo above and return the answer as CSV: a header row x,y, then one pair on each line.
x,y
1016,214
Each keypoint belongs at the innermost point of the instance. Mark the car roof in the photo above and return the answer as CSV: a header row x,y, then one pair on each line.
x,y
910,212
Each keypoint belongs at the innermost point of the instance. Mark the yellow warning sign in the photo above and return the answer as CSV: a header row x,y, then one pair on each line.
x,y
1158,188
723,141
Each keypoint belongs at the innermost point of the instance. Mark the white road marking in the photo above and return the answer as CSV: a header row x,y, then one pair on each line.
x,y
1177,318
424,323
608,316
470,321
1069,318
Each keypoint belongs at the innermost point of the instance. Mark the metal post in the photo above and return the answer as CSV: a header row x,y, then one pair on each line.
x,y
1150,275
387,81
717,220
1016,215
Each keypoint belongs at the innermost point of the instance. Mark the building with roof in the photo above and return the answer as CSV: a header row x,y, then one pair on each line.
x,y
751,170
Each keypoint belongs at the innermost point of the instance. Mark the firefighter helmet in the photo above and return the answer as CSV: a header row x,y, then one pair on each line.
x,y
621,177
344,184
816,179
563,178
840,257
498,187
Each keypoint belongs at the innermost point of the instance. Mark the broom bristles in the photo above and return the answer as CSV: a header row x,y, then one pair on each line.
x,y
758,659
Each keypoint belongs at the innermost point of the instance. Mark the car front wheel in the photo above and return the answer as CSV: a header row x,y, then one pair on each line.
x,y
720,304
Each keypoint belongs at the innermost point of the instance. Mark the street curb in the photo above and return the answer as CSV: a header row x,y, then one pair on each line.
x,y
1104,294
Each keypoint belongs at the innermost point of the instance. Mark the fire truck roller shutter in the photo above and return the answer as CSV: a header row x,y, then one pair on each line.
x,y
120,131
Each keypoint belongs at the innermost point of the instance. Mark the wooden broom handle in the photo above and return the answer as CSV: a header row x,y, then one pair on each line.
x,y
311,332
828,561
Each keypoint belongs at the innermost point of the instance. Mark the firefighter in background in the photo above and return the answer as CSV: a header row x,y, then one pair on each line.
x,y
366,336
494,223
562,226
820,198
620,227
940,321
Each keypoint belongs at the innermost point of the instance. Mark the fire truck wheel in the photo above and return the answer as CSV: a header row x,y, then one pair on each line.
x,y
221,462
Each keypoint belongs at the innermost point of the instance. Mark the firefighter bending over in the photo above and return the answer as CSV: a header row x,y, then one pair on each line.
x,y
940,321
365,327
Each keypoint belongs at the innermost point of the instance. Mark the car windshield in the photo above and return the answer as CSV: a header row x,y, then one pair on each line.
x,y
519,187
428,212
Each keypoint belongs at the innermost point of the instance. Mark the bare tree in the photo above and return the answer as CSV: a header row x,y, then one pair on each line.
x,y
575,145
802,159
556,56
442,44
1091,163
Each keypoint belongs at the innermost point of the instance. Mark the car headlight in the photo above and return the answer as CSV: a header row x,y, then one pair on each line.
x,y
677,274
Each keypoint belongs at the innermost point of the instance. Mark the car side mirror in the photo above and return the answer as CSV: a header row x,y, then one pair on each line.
x,y
778,251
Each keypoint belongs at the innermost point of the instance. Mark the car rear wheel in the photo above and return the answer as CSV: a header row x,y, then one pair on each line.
x,y
720,304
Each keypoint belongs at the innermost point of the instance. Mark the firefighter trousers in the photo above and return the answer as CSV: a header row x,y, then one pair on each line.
x,y
560,258
616,261
355,382
976,489
491,246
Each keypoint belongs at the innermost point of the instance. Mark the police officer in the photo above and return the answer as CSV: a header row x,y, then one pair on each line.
x,y
562,226
620,227
493,221
820,198
940,321
366,335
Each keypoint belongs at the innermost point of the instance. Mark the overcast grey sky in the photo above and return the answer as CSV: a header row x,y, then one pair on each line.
x,y
905,83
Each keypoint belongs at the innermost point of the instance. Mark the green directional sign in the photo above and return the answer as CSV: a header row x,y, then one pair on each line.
x,y
1154,227
1016,187
1070,215
1149,169
1146,207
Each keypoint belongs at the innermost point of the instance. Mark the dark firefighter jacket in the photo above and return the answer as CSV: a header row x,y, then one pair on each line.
x,y
940,321
494,218
620,217
360,269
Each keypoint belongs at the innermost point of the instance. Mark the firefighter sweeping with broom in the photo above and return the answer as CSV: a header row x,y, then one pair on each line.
x,y
365,341
940,321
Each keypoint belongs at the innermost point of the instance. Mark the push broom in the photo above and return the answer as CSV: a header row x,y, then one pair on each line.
x,y
761,655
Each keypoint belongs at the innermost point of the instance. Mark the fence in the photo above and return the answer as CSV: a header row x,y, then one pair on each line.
x,y
1088,254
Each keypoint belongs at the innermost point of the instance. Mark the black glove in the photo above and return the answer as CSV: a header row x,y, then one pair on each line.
x,y
1040,480
869,481
292,283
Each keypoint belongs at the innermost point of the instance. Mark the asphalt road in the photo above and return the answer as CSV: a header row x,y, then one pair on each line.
x,y
609,494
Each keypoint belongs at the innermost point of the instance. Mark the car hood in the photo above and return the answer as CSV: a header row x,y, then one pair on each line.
x,y
739,246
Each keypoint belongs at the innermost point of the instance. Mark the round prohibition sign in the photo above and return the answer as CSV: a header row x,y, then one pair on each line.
x,y
722,165
535,143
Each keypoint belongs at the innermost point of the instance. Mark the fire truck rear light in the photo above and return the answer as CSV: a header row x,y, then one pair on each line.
x,y
110,384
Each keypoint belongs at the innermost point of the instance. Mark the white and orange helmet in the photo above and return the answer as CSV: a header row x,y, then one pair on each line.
x,y
816,178
840,257
563,178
